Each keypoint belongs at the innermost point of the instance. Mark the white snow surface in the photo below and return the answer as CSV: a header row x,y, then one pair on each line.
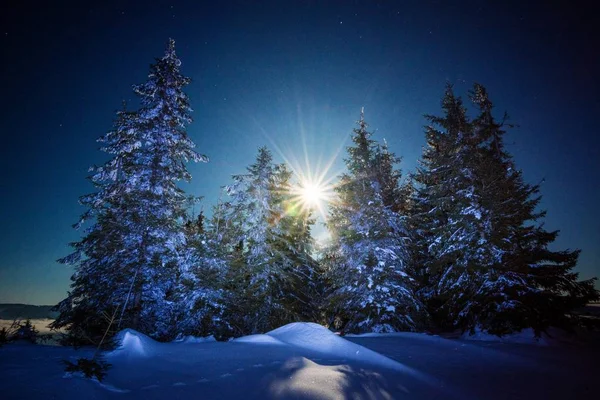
x,y
304,361
258,339
132,343
314,337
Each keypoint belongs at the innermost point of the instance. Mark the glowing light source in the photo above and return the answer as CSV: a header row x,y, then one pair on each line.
x,y
314,174
312,193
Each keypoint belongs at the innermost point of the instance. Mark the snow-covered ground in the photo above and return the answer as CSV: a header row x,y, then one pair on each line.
x,y
306,361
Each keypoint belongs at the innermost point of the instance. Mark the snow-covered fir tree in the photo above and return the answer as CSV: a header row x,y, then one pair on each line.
x,y
525,284
444,213
100,284
248,230
200,293
367,260
272,274
135,252
301,279
481,260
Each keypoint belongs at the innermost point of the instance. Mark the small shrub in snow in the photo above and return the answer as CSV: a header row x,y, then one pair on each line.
x,y
26,331
19,330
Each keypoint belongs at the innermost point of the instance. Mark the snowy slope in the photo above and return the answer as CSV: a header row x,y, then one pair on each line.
x,y
303,361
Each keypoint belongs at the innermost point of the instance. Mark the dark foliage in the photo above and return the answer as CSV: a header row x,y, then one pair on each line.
x,y
90,368
19,330
480,252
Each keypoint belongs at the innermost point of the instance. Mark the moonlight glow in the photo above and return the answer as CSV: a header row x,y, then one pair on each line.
x,y
314,174
312,194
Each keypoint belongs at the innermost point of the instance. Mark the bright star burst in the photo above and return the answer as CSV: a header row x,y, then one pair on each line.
x,y
311,194
314,162
315,182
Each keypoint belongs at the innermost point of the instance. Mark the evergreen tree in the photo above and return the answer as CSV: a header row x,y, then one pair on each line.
x,y
481,260
273,278
200,295
132,255
367,258
444,213
300,280
250,219
525,284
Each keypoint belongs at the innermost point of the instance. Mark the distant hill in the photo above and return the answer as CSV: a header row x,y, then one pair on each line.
x,y
24,311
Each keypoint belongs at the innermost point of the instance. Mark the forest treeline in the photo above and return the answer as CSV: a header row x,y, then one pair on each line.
x,y
457,244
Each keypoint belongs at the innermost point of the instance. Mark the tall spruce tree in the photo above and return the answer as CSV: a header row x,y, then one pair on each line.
x,y
250,228
372,291
273,278
481,260
200,296
133,254
301,275
444,214
525,284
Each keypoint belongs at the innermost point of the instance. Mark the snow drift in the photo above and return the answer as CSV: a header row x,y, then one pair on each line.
x,y
314,337
299,335
132,343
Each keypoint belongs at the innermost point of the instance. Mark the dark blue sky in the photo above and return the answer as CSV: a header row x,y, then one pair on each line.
x,y
276,73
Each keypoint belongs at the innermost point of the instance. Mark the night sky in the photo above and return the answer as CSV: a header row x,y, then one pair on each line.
x,y
292,75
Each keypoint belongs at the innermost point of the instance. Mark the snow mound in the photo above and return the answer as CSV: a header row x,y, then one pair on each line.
x,y
258,339
526,336
311,336
132,343
308,335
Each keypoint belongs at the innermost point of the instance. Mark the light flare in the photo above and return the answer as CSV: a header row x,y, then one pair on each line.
x,y
312,194
312,160
315,181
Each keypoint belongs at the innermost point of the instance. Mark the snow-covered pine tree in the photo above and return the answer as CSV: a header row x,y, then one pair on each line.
x,y
524,283
100,284
133,254
444,215
160,204
273,278
481,260
249,228
372,291
199,295
300,282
